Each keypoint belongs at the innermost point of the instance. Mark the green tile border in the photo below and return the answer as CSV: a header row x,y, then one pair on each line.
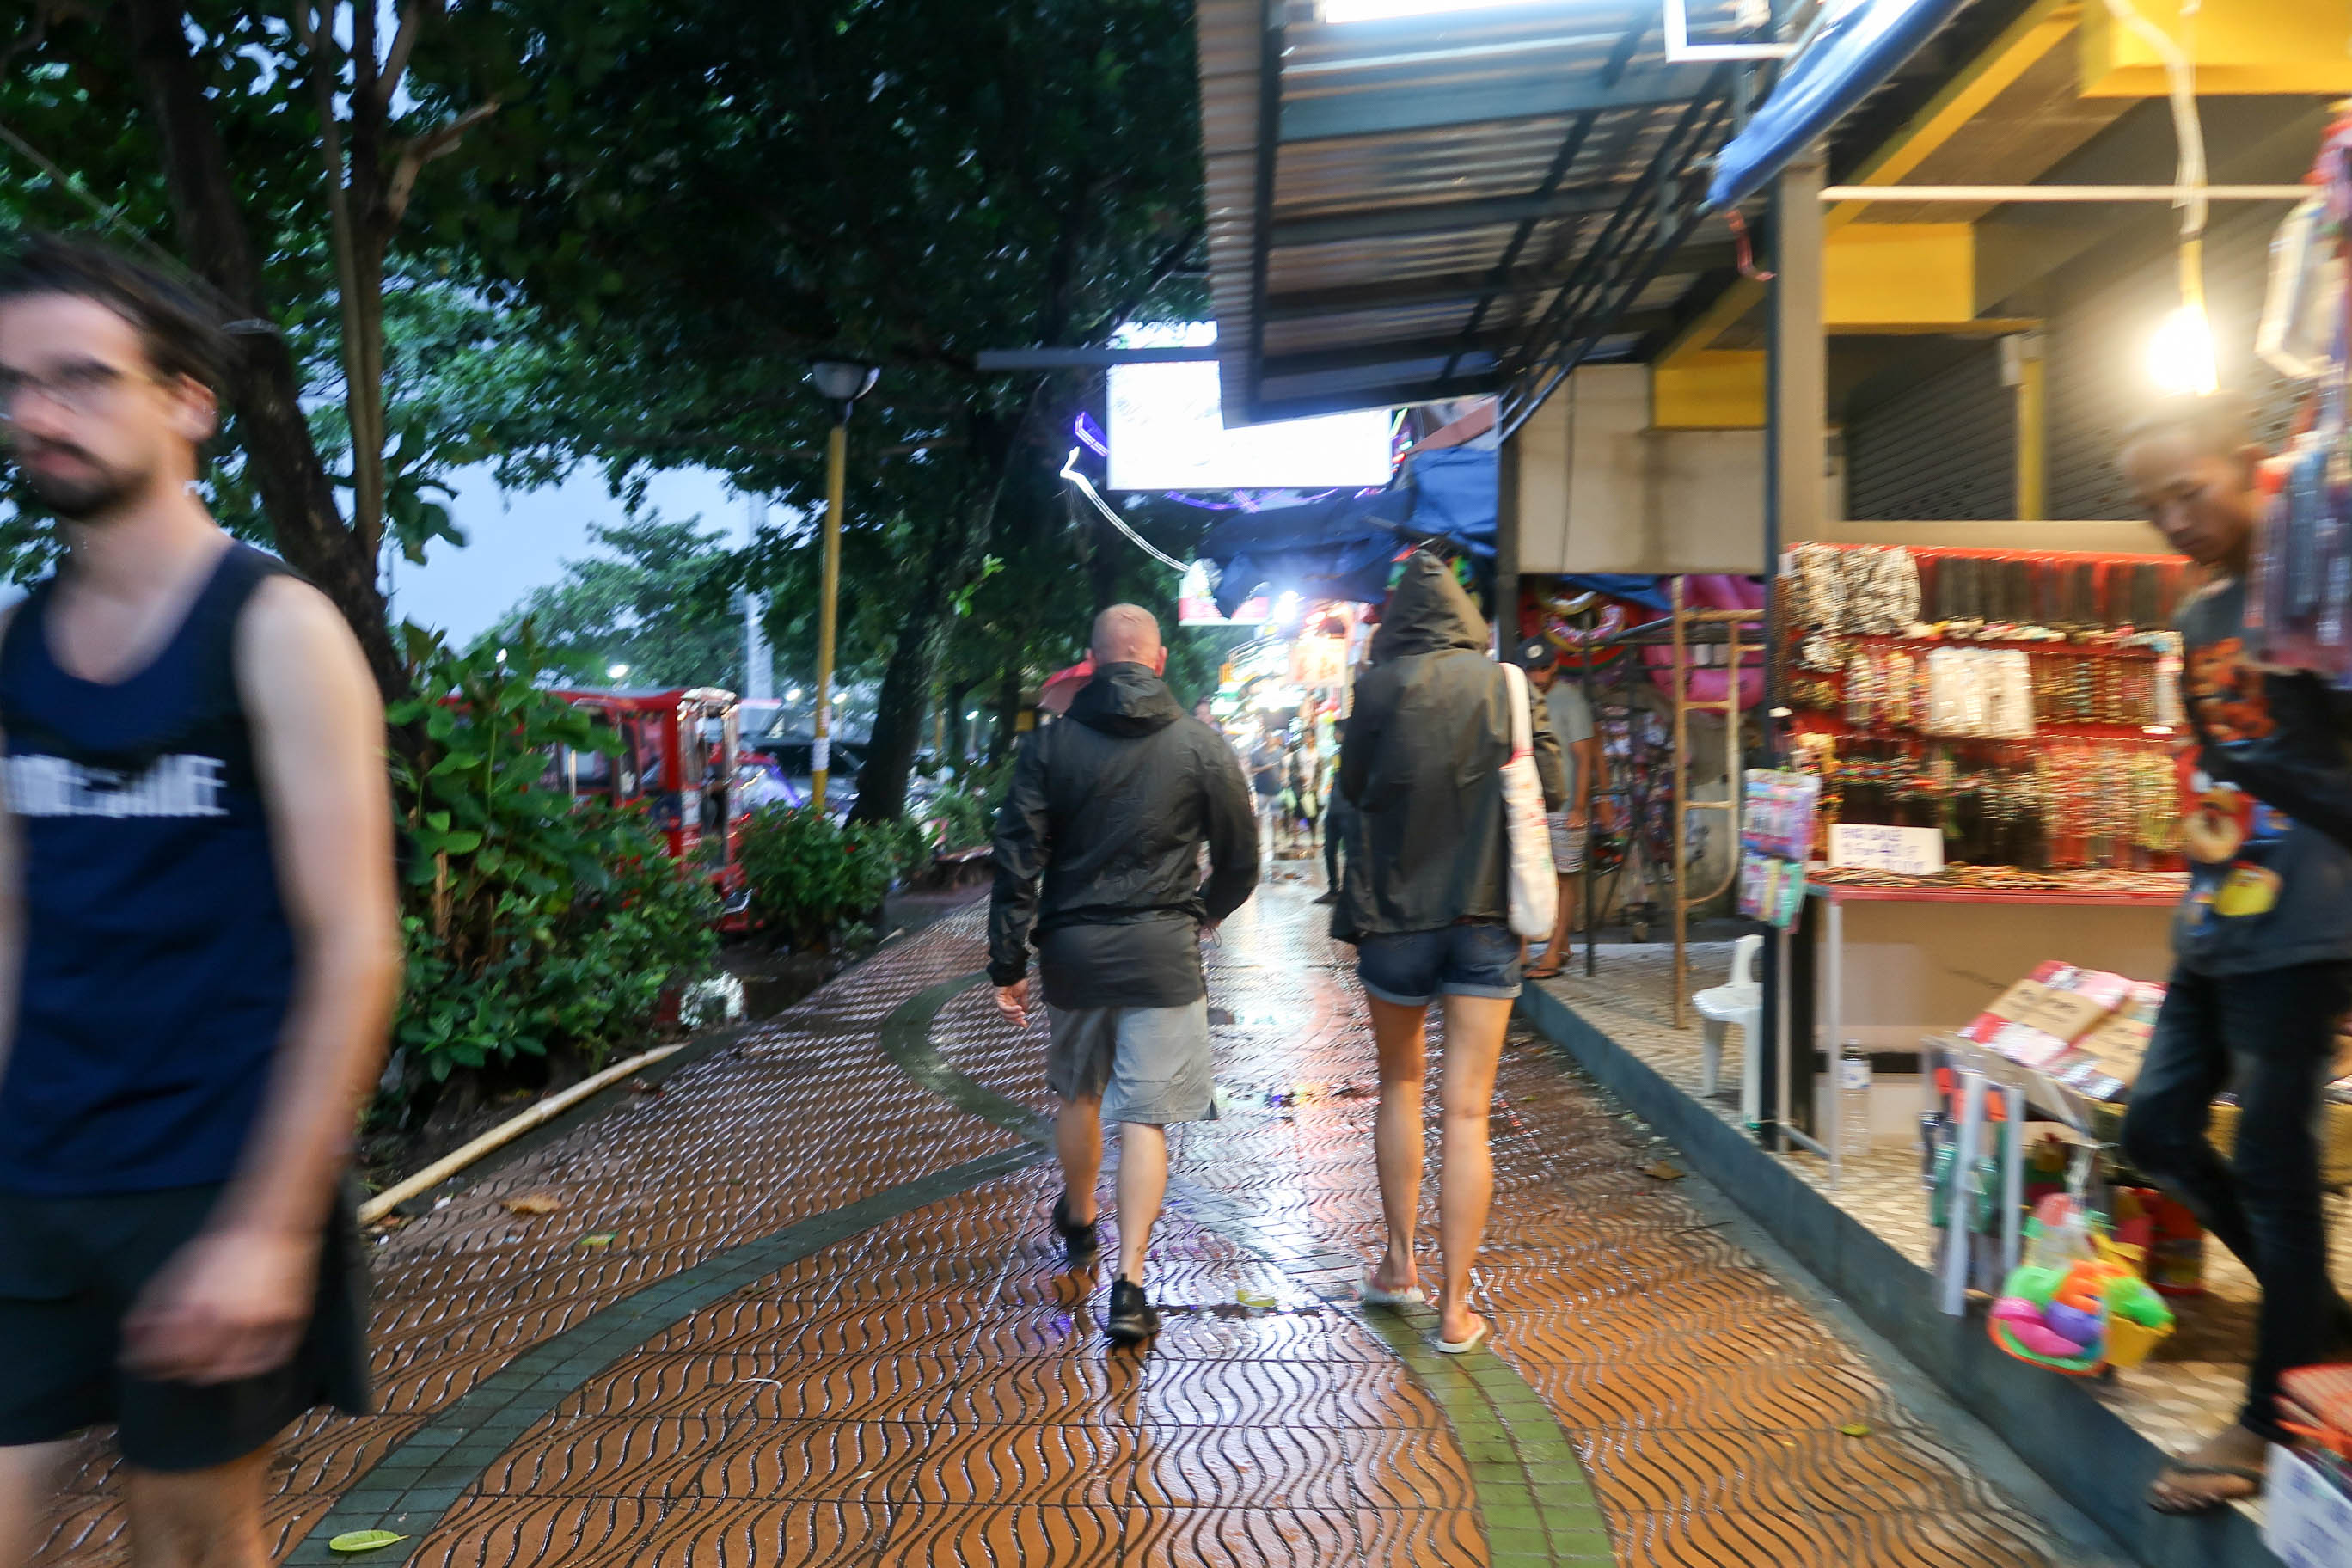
x,y
1534,1501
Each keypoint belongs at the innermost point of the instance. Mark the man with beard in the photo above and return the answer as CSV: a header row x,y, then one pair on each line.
x,y
198,941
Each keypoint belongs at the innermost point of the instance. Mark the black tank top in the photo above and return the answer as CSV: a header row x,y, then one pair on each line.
x,y
159,962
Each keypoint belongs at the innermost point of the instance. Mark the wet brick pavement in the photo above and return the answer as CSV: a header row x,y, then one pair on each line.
x,y
828,1328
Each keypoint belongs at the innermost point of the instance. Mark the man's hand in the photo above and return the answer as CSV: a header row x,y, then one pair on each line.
x,y
1579,815
1013,1000
231,1304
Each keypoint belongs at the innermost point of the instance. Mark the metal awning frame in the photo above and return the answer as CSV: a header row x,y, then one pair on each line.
x,y
1647,219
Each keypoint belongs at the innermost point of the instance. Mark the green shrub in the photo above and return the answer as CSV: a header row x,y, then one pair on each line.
x,y
534,922
811,879
965,819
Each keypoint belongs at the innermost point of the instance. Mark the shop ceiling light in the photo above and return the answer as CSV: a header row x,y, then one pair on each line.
x,y
1399,10
2181,354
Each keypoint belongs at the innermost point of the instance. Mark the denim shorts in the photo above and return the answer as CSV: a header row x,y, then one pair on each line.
x,y
1410,968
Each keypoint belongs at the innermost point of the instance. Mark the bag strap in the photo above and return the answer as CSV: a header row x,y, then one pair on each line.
x,y
1523,736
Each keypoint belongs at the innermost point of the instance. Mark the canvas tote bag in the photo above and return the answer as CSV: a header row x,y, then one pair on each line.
x,y
1534,886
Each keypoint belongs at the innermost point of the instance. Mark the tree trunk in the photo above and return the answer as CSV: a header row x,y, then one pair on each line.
x,y
948,566
914,663
265,387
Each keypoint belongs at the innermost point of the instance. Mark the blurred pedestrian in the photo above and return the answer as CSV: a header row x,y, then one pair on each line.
x,y
196,915
1571,825
2263,943
1421,758
1098,855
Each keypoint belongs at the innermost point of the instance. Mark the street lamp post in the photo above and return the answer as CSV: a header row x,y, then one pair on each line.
x,y
842,382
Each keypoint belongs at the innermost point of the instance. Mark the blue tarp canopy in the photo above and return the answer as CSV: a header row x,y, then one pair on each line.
x,y
1341,548
1845,62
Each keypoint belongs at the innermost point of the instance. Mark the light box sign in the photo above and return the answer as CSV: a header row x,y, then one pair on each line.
x,y
1167,433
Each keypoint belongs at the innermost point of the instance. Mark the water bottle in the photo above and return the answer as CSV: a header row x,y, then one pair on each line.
x,y
1853,1100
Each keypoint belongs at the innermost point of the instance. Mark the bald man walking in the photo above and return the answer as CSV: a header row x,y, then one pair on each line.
x,y
1098,861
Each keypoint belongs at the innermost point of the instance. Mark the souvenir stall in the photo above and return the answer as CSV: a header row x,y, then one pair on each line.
x,y
1991,736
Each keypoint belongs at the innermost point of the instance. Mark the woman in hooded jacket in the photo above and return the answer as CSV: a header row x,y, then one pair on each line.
x,y
1428,907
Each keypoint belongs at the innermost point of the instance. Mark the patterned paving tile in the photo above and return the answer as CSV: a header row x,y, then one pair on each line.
x,y
927,1386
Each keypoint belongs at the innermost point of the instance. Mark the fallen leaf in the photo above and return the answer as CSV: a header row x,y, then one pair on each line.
x,y
363,1541
602,1238
1855,1429
1663,1170
1249,1297
534,1203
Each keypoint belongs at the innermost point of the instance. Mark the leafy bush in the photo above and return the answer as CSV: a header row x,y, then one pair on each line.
x,y
966,820
810,877
534,922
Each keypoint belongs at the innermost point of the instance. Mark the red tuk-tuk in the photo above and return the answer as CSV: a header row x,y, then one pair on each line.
x,y
677,757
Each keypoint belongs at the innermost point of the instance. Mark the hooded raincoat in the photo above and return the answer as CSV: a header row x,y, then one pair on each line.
x,y
1422,757
1098,848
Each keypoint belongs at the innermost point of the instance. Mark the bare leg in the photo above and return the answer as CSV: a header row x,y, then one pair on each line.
x,y
1474,1047
1556,950
28,1477
1078,1139
203,1518
1143,1186
1402,1037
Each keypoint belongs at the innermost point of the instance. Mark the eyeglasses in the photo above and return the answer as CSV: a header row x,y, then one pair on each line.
x,y
77,387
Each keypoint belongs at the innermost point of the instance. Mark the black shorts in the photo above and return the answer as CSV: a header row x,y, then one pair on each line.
x,y
70,1270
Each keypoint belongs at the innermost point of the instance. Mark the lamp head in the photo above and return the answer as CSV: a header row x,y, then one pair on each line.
x,y
842,381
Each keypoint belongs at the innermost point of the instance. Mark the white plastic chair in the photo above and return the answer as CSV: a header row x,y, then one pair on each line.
x,y
1740,1002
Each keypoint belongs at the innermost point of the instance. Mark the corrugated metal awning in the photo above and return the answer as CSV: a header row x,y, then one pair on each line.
x,y
1452,205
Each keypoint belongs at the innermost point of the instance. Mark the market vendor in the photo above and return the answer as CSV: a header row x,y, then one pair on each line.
x,y
2263,942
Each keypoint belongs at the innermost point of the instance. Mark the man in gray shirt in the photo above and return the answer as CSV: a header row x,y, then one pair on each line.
x,y
1571,723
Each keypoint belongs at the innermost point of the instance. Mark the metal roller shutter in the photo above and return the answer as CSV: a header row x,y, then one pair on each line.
x,y
1943,448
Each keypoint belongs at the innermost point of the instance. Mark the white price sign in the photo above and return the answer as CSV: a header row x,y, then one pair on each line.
x,y
1911,851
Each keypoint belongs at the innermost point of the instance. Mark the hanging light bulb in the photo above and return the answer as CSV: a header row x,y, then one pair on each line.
x,y
2180,354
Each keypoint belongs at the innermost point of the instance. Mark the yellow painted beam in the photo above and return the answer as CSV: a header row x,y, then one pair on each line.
x,y
2239,46
1899,274
2041,29
1712,389
2032,435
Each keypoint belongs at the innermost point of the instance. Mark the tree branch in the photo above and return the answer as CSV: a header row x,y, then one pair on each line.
x,y
422,150
1161,269
404,43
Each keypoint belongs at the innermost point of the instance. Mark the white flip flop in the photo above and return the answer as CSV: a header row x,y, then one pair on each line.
x,y
1463,1347
1373,1295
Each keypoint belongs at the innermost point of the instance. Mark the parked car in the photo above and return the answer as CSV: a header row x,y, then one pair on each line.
x,y
793,756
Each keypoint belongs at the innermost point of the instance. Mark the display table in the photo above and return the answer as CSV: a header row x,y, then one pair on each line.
x,y
1884,962
1895,963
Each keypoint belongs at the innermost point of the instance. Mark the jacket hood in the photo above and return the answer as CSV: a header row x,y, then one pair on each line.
x,y
1125,700
1428,613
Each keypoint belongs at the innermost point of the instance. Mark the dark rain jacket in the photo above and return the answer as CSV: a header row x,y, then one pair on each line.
x,y
1098,848
1422,757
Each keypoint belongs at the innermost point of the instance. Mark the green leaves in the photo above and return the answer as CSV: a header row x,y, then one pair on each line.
x,y
357,1541
810,877
533,921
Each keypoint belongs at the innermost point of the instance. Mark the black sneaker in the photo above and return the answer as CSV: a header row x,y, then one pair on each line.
x,y
1131,1320
1079,1243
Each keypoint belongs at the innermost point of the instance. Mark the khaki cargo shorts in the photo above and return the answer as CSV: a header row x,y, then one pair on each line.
x,y
1147,1064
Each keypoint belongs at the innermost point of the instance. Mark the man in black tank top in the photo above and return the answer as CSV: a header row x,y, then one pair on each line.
x,y
199,946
